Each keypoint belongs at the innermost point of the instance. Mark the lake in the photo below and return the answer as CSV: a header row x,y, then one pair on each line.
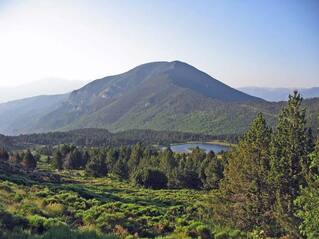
x,y
184,148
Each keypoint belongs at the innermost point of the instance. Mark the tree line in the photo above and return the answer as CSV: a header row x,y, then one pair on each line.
x,y
24,159
102,138
144,166
141,165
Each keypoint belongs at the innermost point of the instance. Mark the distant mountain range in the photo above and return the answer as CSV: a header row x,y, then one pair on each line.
x,y
158,95
51,86
279,94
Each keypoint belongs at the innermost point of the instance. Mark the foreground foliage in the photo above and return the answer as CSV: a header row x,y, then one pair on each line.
x,y
103,205
263,181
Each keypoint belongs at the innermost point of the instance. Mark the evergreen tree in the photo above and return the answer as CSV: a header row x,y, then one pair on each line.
x,y
28,161
85,157
308,201
65,149
73,160
120,169
168,164
16,158
167,160
189,179
96,166
289,163
195,159
211,171
150,178
4,155
112,158
57,160
135,158
243,200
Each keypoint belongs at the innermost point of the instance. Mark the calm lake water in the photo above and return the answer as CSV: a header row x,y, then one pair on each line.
x,y
184,148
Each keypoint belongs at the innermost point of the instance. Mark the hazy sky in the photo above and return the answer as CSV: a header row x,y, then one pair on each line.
x,y
261,43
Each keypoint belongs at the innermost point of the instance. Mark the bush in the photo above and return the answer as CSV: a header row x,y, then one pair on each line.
x,y
55,209
189,179
40,224
150,178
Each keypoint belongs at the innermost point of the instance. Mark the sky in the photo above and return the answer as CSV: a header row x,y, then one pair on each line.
x,y
273,43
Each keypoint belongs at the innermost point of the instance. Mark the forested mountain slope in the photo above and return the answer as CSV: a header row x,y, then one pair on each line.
x,y
159,95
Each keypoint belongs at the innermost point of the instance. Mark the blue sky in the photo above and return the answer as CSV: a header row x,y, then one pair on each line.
x,y
242,43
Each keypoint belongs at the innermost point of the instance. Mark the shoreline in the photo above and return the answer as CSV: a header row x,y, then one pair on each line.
x,y
214,142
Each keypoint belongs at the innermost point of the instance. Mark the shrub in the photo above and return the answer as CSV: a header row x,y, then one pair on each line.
x,y
40,224
55,209
150,178
189,179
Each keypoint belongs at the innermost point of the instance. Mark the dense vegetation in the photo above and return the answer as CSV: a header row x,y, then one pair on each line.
x,y
265,187
47,200
101,137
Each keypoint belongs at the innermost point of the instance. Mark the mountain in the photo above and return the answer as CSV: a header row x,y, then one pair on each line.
x,y
160,95
52,86
20,115
279,94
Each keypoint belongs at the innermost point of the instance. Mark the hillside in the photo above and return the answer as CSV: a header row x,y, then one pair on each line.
x,y
160,95
21,115
52,201
148,96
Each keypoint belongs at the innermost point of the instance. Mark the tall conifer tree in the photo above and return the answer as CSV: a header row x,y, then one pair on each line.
x,y
28,161
244,197
289,162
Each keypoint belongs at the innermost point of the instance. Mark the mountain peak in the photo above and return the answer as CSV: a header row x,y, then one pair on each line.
x,y
149,96
163,74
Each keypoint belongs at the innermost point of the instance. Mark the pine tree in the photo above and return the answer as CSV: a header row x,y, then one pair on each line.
x,y
85,157
58,160
112,158
120,169
150,178
96,166
308,200
243,200
16,158
4,155
168,164
289,163
28,161
73,160
135,158
211,171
